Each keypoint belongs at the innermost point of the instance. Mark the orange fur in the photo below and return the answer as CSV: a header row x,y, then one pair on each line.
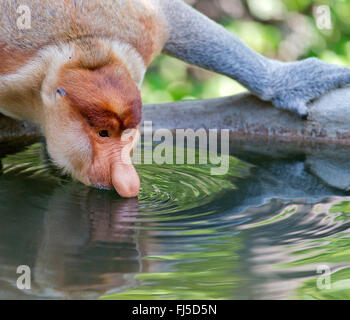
x,y
146,45
106,97
139,23
11,59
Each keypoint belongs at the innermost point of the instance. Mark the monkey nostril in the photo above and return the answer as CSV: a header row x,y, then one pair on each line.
x,y
103,133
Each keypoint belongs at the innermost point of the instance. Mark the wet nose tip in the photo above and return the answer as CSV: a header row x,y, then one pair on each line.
x,y
130,191
126,181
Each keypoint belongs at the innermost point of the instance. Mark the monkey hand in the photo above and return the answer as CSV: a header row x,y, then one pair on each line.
x,y
295,84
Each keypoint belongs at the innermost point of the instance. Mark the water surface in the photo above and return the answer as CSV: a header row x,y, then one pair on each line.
x,y
261,231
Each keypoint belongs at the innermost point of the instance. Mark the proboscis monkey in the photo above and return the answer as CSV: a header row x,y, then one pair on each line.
x,y
76,72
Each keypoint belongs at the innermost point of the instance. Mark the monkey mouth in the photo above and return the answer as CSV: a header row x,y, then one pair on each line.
x,y
121,177
100,187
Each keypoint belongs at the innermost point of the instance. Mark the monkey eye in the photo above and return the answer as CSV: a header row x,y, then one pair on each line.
x,y
61,92
103,133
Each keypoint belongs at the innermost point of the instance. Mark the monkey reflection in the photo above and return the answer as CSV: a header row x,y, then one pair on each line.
x,y
80,245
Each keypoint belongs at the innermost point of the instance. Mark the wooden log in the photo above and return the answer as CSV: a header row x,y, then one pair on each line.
x,y
246,115
14,135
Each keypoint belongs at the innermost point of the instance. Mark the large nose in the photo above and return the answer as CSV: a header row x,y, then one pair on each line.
x,y
125,179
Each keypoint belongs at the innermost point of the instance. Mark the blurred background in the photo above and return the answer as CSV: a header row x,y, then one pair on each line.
x,y
286,30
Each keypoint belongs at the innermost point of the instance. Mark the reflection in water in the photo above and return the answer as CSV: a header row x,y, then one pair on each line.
x,y
78,242
259,232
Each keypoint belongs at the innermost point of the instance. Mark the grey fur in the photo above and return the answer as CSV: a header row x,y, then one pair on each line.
x,y
198,40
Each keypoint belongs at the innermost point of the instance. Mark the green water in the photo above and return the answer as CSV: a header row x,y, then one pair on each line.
x,y
261,231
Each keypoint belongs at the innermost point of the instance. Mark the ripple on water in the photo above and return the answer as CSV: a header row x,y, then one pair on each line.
x,y
169,193
189,235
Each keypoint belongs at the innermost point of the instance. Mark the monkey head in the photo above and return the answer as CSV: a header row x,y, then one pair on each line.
x,y
91,124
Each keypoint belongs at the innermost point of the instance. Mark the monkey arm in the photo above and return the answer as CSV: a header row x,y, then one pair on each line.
x,y
196,39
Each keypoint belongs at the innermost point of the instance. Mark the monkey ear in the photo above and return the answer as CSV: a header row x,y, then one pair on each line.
x,y
61,92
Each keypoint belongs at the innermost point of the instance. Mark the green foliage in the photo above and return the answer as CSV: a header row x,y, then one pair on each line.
x,y
169,79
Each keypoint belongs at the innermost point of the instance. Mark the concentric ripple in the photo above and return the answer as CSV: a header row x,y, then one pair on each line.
x,y
168,192
178,192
